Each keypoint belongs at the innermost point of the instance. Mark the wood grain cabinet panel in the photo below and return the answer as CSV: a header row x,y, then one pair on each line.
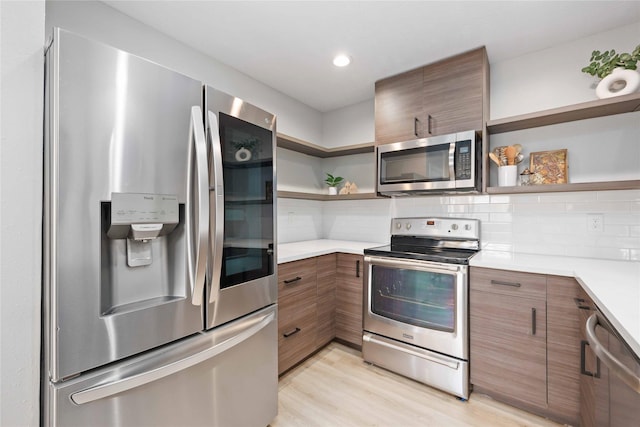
x,y
297,312
563,348
508,346
326,299
349,295
453,93
448,96
398,107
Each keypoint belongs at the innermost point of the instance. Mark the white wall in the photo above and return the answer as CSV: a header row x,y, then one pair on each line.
x,y
349,125
552,78
21,105
103,23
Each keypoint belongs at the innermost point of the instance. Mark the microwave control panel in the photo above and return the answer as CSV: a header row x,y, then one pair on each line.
x,y
463,159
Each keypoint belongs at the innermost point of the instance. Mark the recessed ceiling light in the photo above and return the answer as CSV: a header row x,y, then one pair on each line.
x,y
341,61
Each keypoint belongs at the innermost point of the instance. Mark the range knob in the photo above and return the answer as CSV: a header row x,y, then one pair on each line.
x,y
398,225
454,226
467,227
408,226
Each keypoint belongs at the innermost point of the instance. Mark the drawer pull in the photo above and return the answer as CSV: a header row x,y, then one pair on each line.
x,y
501,283
288,334
358,268
583,362
295,279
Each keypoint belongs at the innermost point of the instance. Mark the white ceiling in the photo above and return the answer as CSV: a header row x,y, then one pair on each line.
x,y
289,45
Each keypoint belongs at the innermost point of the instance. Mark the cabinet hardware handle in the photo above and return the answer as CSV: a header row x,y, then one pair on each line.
x,y
583,363
288,334
429,124
580,304
415,126
533,321
501,283
286,282
358,268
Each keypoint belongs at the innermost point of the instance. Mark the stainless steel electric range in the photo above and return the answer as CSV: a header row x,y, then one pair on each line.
x,y
417,301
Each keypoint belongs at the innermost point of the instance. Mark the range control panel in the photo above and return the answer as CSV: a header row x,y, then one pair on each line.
x,y
458,228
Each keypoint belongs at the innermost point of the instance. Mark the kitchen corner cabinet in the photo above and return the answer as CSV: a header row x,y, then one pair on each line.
x,y
349,295
440,98
524,341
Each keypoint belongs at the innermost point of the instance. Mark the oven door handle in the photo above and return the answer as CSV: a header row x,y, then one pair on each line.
x,y
431,357
412,264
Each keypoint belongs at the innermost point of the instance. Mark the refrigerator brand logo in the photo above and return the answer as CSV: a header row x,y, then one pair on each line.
x,y
149,198
410,337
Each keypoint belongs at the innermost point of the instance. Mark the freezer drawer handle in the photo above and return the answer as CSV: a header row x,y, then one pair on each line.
x,y
295,279
111,388
621,371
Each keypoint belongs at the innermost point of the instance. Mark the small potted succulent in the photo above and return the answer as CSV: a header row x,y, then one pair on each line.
x,y
617,71
332,182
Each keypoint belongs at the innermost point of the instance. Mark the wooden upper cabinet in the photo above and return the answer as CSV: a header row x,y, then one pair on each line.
x,y
398,107
444,97
453,94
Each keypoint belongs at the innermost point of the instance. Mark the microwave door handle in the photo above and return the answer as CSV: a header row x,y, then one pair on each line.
x,y
216,239
197,217
452,158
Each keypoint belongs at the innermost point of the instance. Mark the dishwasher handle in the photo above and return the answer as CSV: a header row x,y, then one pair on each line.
x,y
617,367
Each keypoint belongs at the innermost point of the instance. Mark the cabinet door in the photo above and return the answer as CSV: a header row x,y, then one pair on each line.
x,y
398,107
297,312
349,295
453,93
508,346
326,299
563,348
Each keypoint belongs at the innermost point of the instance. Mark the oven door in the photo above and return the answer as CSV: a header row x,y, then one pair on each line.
x,y
417,302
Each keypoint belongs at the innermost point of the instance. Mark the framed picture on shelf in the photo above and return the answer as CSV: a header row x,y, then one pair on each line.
x,y
549,167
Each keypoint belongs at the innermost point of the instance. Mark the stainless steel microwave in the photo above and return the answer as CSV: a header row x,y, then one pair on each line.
x,y
444,163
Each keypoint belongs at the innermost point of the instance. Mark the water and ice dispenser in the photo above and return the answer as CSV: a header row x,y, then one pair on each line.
x,y
141,218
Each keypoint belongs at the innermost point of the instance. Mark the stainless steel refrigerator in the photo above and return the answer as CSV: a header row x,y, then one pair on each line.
x,y
159,281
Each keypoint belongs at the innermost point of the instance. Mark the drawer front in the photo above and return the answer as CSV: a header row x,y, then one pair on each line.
x,y
297,329
505,282
295,277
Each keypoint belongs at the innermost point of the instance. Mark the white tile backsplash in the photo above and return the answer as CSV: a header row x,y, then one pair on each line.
x,y
546,223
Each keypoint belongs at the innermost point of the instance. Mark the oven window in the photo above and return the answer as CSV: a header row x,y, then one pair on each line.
x,y
421,298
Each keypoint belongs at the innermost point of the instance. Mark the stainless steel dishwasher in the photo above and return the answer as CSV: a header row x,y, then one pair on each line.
x,y
621,393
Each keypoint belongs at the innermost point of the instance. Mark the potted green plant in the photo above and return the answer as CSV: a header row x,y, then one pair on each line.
x,y
332,182
617,71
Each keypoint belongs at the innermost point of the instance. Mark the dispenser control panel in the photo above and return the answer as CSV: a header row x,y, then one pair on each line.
x,y
144,214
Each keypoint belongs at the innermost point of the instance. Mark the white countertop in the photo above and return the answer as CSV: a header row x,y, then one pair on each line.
x,y
299,250
613,285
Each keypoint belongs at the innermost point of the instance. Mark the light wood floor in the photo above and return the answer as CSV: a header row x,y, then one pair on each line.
x,y
336,387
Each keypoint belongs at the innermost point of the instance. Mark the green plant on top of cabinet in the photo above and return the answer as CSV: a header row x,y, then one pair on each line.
x,y
448,96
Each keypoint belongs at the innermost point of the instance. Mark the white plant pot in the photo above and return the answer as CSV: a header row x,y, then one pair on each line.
x,y
243,155
333,191
620,82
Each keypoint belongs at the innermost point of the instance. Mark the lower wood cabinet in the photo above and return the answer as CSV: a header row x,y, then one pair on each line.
x,y
306,308
349,295
525,341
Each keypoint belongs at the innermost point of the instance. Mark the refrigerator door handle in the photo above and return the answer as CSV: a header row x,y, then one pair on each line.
x,y
197,207
103,391
217,198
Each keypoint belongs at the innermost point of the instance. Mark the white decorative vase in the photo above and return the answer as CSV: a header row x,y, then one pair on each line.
x,y
333,191
243,155
620,82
